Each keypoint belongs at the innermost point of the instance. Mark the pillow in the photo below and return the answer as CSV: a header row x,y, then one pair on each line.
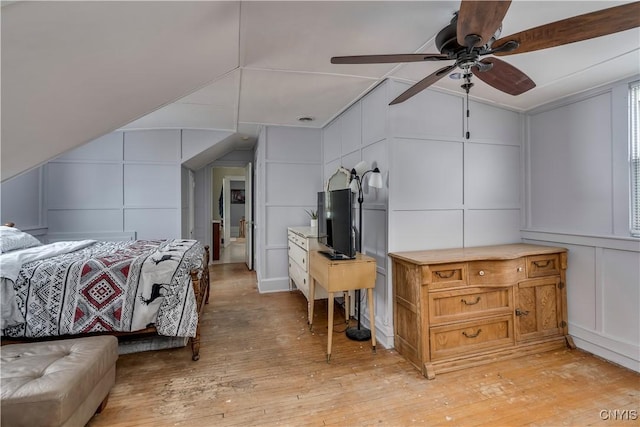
x,y
12,239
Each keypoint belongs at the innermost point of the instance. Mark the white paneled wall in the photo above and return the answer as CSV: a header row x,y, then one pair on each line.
x,y
23,201
288,178
577,197
447,191
441,190
360,134
122,182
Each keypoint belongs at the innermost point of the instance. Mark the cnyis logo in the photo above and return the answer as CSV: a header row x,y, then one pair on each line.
x,y
619,414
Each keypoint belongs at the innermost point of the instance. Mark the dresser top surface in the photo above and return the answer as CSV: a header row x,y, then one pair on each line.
x,y
304,231
498,252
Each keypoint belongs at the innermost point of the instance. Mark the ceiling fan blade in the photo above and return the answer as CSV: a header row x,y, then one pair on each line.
x,y
423,84
582,27
481,19
504,77
383,59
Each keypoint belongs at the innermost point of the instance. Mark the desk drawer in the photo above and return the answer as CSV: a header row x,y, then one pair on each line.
x,y
471,303
469,337
299,255
505,272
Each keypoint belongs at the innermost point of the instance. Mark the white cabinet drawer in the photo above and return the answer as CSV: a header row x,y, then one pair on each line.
x,y
301,278
299,255
297,274
298,240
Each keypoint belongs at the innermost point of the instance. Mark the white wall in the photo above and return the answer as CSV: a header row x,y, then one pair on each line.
x,y
447,191
288,177
441,190
123,185
361,134
23,202
577,193
121,182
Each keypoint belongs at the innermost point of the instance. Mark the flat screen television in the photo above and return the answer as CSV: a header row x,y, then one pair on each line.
x,y
335,223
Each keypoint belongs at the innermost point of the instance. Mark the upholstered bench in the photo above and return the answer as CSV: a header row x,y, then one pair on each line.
x,y
56,383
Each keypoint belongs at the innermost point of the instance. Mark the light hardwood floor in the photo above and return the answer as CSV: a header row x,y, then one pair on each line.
x,y
260,365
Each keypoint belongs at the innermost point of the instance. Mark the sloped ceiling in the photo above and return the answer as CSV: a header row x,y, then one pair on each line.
x,y
72,71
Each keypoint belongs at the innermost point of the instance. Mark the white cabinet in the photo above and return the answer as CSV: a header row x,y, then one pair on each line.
x,y
301,240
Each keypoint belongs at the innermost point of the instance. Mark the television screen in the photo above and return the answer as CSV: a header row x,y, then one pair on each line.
x,y
335,222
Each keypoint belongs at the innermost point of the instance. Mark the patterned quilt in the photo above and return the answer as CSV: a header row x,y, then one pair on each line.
x,y
110,286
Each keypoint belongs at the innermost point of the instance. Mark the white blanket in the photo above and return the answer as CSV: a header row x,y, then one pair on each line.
x,y
10,265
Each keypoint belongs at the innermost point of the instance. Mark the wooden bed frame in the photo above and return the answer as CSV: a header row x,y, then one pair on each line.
x,y
201,288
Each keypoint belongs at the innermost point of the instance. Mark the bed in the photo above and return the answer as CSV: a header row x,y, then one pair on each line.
x,y
89,287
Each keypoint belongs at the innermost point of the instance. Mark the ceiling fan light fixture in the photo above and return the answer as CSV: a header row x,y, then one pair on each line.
x,y
474,32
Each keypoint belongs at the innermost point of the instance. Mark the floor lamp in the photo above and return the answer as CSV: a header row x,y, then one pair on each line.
x,y
358,174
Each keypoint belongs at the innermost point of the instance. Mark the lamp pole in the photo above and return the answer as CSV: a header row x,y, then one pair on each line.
x,y
359,334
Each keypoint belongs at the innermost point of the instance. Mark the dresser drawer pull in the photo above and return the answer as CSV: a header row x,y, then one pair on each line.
x,y
471,335
520,269
541,264
521,312
471,303
445,274
481,273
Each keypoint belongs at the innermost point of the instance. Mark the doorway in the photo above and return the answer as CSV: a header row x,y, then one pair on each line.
x,y
231,201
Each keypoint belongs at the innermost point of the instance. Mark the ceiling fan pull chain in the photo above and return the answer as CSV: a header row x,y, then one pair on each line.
x,y
467,134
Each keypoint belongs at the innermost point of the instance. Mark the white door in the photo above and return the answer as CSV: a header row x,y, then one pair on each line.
x,y
248,210
226,219
192,203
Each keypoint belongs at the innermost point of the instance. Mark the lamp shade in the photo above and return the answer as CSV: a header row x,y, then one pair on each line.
x,y
353,185
361,168
375,180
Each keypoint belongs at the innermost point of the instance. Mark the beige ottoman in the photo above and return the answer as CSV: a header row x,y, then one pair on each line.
x,y
56,383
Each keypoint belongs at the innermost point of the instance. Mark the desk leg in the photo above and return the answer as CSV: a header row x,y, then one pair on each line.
x,y
347,307
312,297
371,318
330,326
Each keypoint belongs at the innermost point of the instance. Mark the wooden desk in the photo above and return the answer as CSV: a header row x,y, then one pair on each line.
x,y
338,276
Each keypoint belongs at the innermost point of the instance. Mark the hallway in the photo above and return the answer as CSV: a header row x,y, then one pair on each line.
x,y
235,252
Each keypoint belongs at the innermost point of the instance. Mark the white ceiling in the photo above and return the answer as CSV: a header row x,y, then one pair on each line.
x,y
234,66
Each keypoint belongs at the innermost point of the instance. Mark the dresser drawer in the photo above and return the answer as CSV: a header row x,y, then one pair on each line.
x,y
471,303
298,275
467,337
446,275
543,265
299,255
505,272
298,240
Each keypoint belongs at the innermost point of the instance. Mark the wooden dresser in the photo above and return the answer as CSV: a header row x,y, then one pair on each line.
x,y
301,240
458,308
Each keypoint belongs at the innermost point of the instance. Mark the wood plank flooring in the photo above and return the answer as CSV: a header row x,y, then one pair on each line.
x,y
261,366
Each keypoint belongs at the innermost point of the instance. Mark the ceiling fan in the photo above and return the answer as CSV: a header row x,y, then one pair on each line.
x,y
474,32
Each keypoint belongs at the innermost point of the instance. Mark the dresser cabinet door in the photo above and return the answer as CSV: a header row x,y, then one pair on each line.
x,y
538,312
